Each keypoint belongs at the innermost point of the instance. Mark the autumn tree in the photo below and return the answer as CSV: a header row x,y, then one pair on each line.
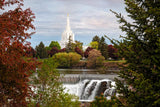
x,y
53,51
14,66
62,50
112,52
86,53
95,59
31,52
79,51
141,50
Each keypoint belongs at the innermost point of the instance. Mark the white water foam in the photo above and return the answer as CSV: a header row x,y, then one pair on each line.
x,y
86,90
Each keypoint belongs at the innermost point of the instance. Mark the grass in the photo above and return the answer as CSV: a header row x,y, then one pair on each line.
x,y
119,61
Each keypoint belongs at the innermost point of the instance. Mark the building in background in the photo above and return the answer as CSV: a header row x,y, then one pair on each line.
x,y
66,35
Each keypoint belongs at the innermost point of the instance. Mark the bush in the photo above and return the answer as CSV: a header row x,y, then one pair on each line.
x,y
66,60
103,102
95,59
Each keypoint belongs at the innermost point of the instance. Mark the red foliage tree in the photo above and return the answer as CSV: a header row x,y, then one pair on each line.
x,y
86,53
112,52
30,52
14,66
53,51
62,50
79,51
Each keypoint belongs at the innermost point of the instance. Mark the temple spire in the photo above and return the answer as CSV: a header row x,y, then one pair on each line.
x,y
68,23
66,34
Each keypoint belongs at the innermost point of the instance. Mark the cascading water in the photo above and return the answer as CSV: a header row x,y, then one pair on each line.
x,y
88,89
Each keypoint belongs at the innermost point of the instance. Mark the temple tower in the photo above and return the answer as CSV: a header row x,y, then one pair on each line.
x,y
66,34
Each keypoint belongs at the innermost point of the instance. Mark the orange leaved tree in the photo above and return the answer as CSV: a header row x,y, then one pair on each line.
x,y
15,68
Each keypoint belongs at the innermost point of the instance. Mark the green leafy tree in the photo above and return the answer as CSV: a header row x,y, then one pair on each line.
x,y
103,47
94,44
78,44
66,60
41,51
70,47
49,92
54,44
141,50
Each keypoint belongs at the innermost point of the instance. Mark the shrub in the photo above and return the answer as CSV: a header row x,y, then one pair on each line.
x,y
103,102
66,60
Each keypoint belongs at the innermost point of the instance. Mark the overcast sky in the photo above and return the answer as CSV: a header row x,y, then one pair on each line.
x,y
87,19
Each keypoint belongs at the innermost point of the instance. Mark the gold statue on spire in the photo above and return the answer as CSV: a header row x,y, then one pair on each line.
x,y
67,14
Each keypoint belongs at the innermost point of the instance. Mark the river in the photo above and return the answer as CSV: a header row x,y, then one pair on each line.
x,y
88,83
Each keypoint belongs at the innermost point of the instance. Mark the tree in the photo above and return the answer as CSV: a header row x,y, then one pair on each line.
x,y
86,53
53,51
62,50
96,38
48,90
141,49
69,46
95,59
79,51
103,47
66,60
78,44
14,66
31,52
54,44
41,51
94,44
112,52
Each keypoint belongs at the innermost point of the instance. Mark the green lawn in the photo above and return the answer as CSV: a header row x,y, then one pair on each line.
x,y
121,61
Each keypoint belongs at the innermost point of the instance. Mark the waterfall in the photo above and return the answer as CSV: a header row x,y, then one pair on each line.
x,y
87,90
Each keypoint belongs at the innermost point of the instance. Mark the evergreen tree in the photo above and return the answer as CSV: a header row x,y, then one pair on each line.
x,y
96,38
103,47
41,51
69,46
141,50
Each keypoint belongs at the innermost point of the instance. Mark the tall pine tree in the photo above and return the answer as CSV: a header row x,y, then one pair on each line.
x,y
41,51
103,47
141,50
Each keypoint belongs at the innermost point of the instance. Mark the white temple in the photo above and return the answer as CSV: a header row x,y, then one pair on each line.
x,y
66,34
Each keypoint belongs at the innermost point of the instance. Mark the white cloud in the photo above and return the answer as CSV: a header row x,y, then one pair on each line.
x,y
88,18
